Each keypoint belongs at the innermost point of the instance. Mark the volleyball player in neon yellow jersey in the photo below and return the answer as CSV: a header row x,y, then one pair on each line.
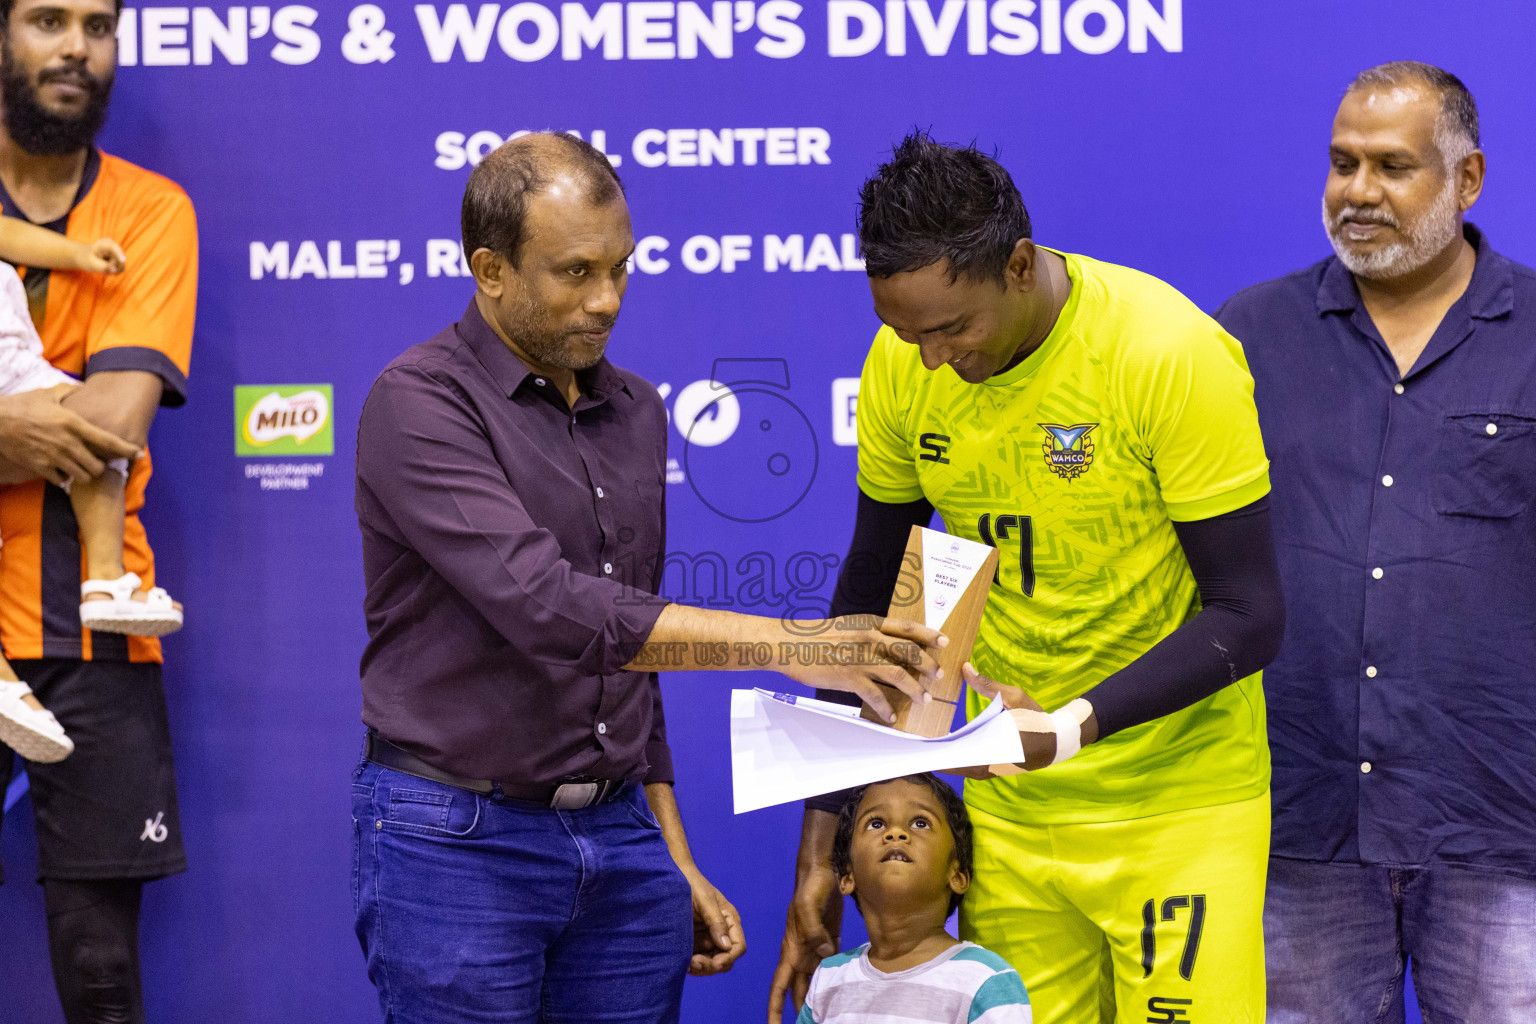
x,y
1099,429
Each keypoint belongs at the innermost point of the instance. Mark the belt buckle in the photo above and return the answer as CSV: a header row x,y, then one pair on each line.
x,y
573,796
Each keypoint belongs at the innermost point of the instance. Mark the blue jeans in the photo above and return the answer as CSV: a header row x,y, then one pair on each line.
x,y
1337,938
476,909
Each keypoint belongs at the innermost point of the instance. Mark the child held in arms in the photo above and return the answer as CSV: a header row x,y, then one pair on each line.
x,y
903,851
112,600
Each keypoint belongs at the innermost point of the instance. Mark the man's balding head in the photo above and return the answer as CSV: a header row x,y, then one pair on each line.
x,y
548,238
1457,130
495,211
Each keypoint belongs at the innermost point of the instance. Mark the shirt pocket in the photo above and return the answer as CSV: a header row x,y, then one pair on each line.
x,y
644,525
649,491
1485,465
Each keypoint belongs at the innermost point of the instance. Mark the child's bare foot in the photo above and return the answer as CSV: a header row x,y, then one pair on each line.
x,y
123,606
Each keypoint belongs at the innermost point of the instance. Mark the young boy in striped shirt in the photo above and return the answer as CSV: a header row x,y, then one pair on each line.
x,y
903,851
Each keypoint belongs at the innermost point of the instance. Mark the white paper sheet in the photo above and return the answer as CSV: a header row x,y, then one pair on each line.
x,y
785,747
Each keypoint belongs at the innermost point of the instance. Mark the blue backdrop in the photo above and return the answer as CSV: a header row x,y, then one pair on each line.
x,y
326,150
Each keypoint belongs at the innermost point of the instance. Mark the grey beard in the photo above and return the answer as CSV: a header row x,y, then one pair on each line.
x,y
1424,241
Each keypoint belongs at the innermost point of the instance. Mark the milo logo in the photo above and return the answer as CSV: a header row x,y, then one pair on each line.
x,y
293,419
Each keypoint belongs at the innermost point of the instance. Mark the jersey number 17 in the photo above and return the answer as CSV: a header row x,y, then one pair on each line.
x,y
1010,528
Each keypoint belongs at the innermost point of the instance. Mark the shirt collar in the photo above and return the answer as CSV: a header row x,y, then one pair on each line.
x,y
598,384
87,180
1490,294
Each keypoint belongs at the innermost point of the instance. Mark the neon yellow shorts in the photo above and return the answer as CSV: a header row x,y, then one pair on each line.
x,y
1157,919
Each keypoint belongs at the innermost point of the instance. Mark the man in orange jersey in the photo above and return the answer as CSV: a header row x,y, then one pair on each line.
x,y
106,817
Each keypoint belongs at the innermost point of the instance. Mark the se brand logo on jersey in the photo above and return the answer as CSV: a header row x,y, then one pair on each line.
x,y
1068,451
1169,1011
290,419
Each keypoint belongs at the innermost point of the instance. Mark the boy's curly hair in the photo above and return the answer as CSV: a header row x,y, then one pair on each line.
x,y
955,815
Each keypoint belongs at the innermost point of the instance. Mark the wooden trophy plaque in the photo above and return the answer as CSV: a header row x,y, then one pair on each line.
x,y
943,583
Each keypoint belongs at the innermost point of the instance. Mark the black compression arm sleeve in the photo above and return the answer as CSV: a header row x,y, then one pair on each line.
x,y
865,582
1236,633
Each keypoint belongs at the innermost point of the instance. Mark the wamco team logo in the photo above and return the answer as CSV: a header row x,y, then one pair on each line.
x,y
1068,451
291,419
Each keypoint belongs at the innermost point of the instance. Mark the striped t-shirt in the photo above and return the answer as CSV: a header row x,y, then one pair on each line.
x,y
965,984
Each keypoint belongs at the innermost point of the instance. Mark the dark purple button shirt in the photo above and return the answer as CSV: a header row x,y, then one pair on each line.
x,y
1402,707
511,549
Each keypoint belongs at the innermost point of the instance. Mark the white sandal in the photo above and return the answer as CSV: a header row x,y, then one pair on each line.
x,y
156,616
35,735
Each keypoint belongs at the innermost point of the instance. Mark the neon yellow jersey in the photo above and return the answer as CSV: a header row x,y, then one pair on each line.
x,y
1136,412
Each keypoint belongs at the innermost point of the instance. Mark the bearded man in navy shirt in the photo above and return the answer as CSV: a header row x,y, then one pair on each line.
x,y
1396,387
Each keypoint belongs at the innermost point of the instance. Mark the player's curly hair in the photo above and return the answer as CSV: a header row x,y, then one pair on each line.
x,y
931,202
955,815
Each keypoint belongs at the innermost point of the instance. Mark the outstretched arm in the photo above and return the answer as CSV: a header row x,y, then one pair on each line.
x,y
850,656
27,244
1236,632
423,457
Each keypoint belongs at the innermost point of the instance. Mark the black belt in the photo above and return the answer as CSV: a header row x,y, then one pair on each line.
x,y
569,795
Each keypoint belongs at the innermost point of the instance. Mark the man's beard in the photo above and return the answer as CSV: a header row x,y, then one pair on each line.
x,y
544,343
1422,241
36,129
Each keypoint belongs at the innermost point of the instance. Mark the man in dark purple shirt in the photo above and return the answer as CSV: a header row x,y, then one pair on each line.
x,y
1396,387
519,853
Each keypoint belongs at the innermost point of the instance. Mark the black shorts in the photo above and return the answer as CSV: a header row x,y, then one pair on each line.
x,y
109,809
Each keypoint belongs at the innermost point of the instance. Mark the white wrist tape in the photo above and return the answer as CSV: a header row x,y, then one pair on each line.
x,y
1069,734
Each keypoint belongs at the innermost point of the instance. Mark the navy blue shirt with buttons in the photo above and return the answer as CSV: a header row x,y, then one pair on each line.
x,y
1402,707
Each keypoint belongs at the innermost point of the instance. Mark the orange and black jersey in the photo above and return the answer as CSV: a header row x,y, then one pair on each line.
x,y
138,320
